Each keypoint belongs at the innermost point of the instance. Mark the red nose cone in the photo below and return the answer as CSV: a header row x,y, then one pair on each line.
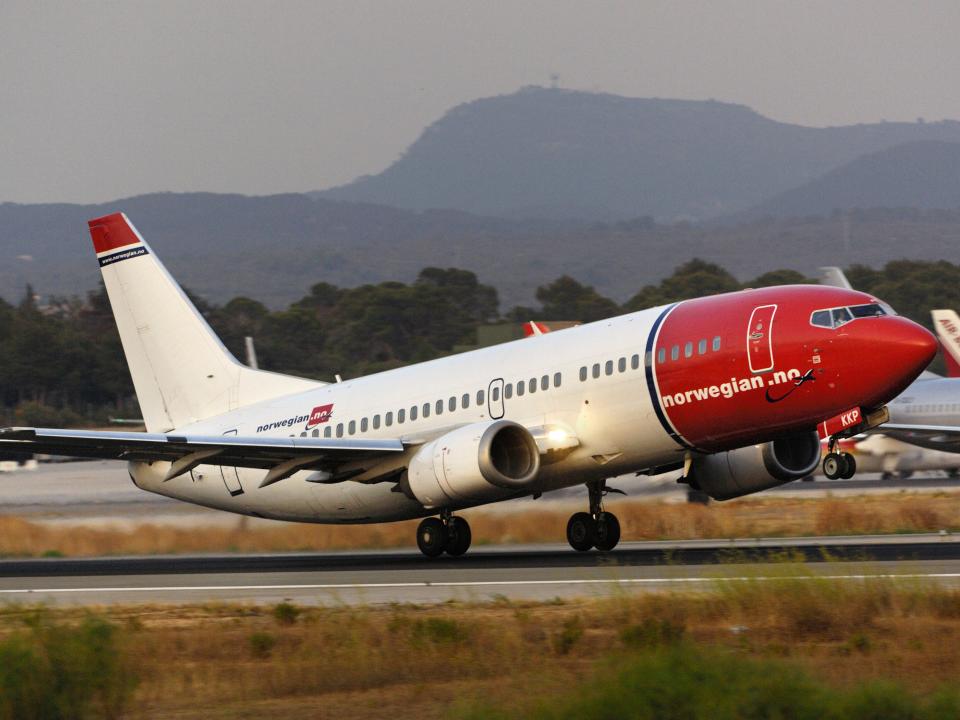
x,y
905,351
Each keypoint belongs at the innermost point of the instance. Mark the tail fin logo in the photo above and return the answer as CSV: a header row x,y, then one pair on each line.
x,y
320,415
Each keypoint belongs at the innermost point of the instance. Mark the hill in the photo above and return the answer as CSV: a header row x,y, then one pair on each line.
x,y
274,248
565,154
923,174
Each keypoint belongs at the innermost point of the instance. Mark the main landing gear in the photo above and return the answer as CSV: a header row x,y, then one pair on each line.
x,y
836,465
595,529
446,534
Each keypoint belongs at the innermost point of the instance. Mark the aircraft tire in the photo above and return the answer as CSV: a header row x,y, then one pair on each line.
x,y
607,533
581,531
849,466
459,537
431,537
833,466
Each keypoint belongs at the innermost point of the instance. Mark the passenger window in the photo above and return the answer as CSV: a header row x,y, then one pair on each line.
x,y
401,416
495,394
452,404
316,432
688,350
508,391
675,352
702,347
662,355
376,422
480,397
327,431
521,387
465,401
716,343
596,370
426,410
363,425
544,382
635,361
352,427
583,374
339,430
608,367
413,413
388,419
439,410
558,379
532,385
302,434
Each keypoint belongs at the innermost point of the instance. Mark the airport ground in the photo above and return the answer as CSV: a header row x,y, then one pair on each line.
x,y
516,628
746,649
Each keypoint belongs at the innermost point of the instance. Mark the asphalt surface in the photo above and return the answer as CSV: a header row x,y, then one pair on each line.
x,y
530,572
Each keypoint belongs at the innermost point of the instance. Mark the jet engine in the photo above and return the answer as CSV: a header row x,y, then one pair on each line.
x,y
482,461
751,469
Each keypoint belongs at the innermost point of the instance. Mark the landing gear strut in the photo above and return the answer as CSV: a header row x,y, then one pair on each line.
x,y
444,534
595,529
838,465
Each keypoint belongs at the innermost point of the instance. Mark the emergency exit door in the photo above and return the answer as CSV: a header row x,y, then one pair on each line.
x,y
760,338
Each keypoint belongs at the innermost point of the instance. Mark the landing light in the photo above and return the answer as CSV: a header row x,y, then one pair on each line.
x,y
557,435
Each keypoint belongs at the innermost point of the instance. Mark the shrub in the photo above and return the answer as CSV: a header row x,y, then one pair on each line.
x,y
687,682
285,613
54,670
261,644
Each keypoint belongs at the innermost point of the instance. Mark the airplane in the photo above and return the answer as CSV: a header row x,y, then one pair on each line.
x,y
896,459
927,413
731,388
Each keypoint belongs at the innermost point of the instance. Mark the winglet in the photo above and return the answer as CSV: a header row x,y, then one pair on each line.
x,y
533,328
834,277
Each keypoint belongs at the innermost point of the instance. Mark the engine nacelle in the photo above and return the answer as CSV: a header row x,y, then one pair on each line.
x,y
483,461
751,469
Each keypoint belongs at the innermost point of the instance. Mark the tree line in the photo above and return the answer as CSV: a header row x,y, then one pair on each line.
x,y
62,362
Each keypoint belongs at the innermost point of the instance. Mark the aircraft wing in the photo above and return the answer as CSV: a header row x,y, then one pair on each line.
x,y
280,456
933,437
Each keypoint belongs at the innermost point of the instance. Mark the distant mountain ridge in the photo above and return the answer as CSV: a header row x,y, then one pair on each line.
x,y
924,174
275,248
565,154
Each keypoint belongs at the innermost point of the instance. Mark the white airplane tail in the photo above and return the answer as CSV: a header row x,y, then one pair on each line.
x,y
181,371
947,325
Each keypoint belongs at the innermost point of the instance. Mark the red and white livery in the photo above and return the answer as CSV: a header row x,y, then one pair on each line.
x,y
731,388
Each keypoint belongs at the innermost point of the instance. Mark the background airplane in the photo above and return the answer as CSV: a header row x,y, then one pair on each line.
x,y
731,388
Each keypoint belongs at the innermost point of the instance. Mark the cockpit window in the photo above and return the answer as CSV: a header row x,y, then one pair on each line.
x,y
836,317
821,318
871,310
841,316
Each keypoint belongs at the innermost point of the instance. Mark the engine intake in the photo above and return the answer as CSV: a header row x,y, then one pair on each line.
x,y
483,461
747,470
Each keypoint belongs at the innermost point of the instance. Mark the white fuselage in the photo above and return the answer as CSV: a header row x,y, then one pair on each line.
x,y
612,418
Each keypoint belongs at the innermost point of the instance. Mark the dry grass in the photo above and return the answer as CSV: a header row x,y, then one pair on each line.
x,y
754,517
407,661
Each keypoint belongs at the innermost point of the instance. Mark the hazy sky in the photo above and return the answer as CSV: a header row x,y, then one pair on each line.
x,y
100,100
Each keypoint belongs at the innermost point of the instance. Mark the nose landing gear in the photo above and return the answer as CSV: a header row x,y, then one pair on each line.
x,y
447,534
836,465
596,529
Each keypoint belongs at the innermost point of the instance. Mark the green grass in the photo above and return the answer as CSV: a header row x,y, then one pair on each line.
x,y
684,681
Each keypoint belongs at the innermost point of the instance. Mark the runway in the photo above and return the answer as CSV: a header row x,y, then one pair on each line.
x,y
538,572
